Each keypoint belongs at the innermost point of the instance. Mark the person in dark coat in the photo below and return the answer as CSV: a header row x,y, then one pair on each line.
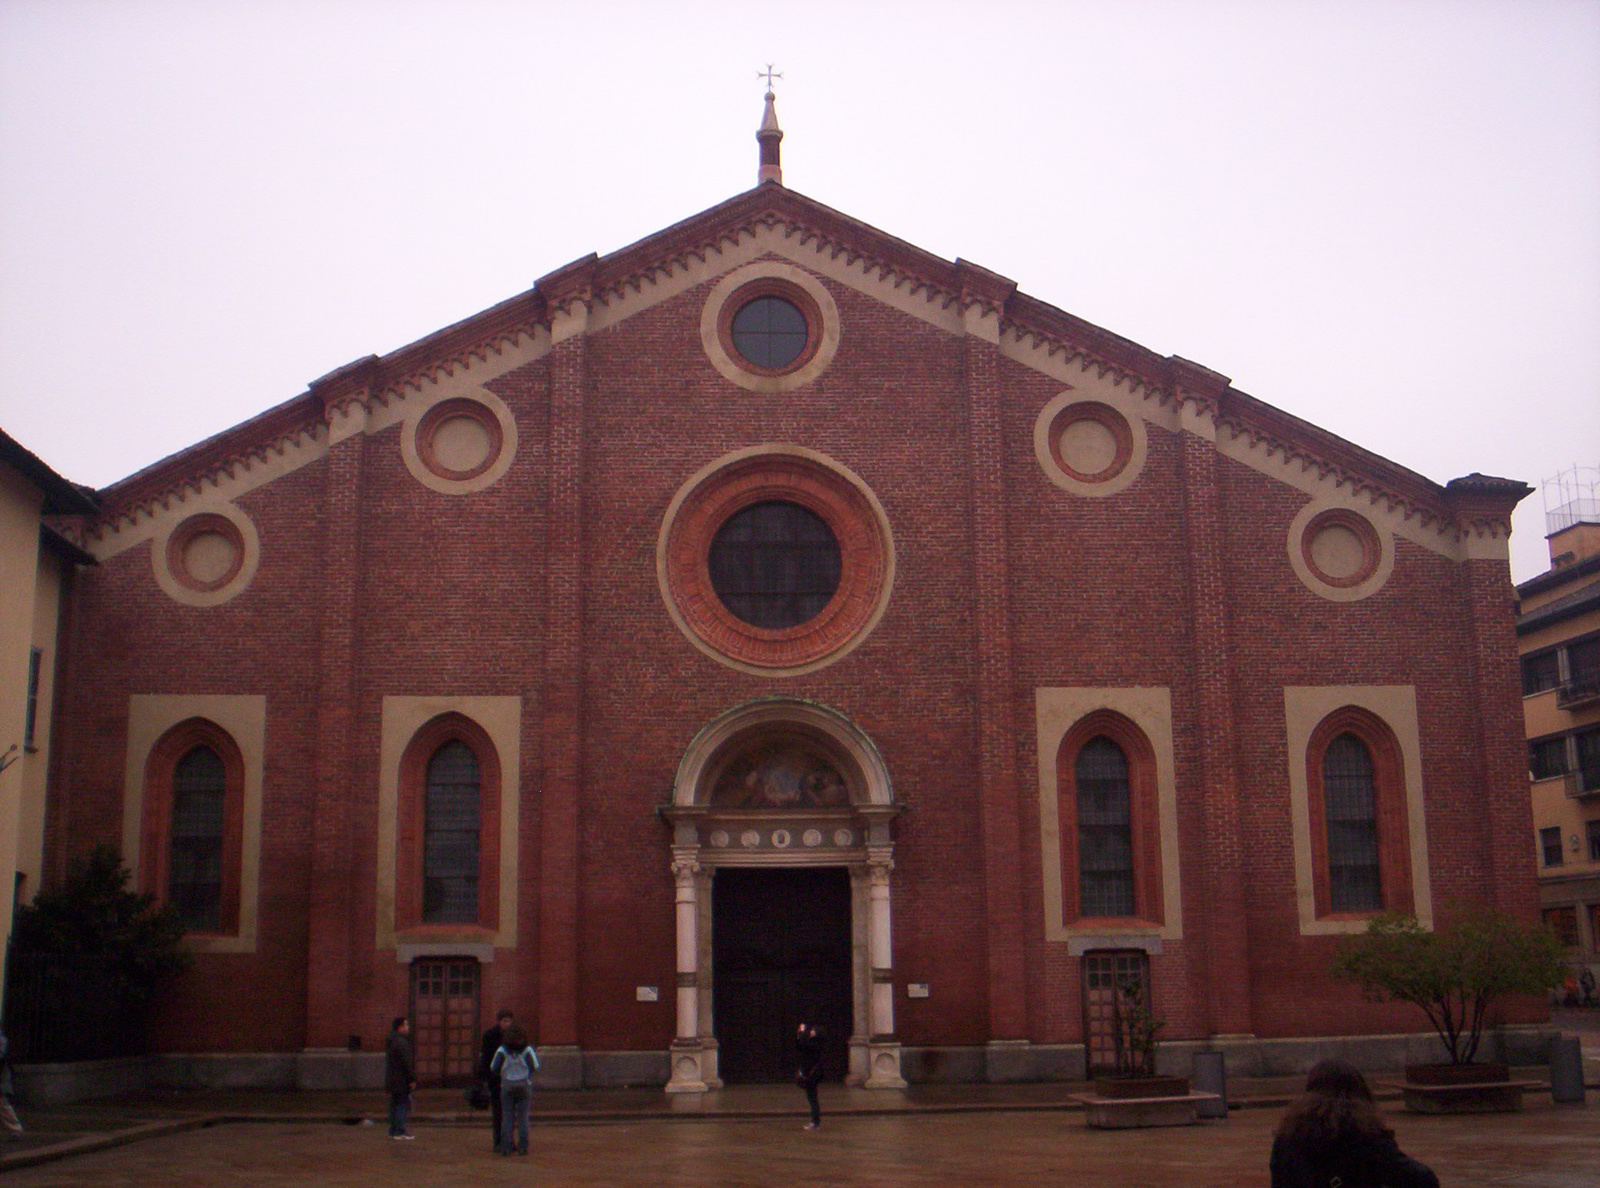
x,y
492,1039
399,1077
1332,1137
808,1048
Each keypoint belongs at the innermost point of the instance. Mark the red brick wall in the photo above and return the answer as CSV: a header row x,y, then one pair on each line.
x,y
544,587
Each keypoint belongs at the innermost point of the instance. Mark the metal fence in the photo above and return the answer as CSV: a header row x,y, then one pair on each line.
x,y
64,1008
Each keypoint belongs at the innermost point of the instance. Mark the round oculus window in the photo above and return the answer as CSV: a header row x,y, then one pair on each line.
x,y
770,332
774,564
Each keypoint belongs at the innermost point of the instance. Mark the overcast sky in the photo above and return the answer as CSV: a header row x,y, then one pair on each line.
x,y
1381,216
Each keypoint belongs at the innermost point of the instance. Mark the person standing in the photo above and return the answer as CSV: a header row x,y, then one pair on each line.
x,y
808,1048
492,1039
1333,1135
399,1077
514,1063
8,1113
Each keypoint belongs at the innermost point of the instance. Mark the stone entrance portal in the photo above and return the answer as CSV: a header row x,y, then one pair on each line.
x,y
780,954
794,790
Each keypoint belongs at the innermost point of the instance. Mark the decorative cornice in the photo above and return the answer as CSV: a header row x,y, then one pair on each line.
x,y
226,456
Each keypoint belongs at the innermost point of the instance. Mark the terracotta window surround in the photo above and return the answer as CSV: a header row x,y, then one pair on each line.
x,y
789,479
1144,817
1388,775
770,286
156,845
413,793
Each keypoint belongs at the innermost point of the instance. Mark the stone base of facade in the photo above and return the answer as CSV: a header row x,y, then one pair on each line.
x,y
888,1065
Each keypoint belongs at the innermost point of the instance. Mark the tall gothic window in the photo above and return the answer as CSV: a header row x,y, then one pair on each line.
x,y
1351,811
194,870
1105,830
450,835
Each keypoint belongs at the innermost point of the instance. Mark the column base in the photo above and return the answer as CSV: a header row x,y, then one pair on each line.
x,y
694,1066
883,1066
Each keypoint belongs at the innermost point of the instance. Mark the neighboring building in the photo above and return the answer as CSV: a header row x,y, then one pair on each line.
x,y
1558,635
36,564
772,618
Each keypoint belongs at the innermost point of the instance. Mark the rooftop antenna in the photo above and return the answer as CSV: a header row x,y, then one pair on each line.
x,y
770,134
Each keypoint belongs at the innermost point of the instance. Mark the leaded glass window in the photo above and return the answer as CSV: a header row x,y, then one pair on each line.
x,y
1105,830
775,564
194,878
769,332
450,831
1350,812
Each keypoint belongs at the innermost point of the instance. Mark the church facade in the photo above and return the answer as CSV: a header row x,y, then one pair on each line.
x,y
770,620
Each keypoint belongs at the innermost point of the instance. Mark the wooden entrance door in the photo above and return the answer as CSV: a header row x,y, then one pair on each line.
x,y
780,954
1105,973
444,1019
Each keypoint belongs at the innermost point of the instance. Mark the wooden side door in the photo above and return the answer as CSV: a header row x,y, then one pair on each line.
x,y
444,1019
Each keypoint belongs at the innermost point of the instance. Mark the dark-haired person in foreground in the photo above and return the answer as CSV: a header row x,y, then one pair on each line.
x,y
1332,1137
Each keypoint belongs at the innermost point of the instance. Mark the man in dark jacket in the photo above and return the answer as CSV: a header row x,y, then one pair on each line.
x,y
492,1039
399,1077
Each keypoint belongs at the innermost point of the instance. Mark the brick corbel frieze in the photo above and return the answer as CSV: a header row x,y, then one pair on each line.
x,y
1482,504
570,289
209,463
984,291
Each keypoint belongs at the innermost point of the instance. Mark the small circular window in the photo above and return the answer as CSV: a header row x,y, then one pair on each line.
x,y
769,332
769,327
775,564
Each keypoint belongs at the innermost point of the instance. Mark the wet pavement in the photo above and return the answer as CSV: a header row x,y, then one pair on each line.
x,y
752,1135
1545,1146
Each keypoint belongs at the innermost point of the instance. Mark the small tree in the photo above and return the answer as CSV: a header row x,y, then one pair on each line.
x,y
95,916
1133,1031
1453,975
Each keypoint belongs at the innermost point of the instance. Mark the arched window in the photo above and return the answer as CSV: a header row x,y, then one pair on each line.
x,y
450,835
193,825
447,871
1110,829
194,871
1360,839
1350,805
1105,830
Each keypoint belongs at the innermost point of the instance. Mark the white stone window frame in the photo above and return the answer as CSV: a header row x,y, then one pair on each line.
x,y
1305,707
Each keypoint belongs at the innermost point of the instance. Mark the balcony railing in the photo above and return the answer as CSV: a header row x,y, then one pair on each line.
x,y
1580,690
1584,782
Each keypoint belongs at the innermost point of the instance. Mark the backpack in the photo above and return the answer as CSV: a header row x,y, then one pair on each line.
x,y
515,1068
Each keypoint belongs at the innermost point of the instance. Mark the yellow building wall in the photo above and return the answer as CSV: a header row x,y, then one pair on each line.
x,y
20,506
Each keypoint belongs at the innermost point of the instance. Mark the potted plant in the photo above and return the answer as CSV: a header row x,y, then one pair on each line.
x,y
1454,975
1135,1032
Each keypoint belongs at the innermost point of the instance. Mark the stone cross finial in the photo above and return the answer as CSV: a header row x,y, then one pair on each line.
x,y
770,134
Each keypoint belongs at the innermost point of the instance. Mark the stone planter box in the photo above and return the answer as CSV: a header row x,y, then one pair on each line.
x,y
1129,1087
1126,1113
1463,1089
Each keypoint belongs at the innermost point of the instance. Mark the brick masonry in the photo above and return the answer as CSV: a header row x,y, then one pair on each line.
x,y
543,586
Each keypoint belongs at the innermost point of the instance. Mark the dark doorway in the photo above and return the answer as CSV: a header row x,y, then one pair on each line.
x,y
780,953
444,1019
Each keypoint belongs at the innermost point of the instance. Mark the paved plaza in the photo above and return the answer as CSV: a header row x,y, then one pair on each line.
x,y
1546,1146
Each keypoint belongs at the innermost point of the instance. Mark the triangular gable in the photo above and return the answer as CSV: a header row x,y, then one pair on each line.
x,y
602,291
